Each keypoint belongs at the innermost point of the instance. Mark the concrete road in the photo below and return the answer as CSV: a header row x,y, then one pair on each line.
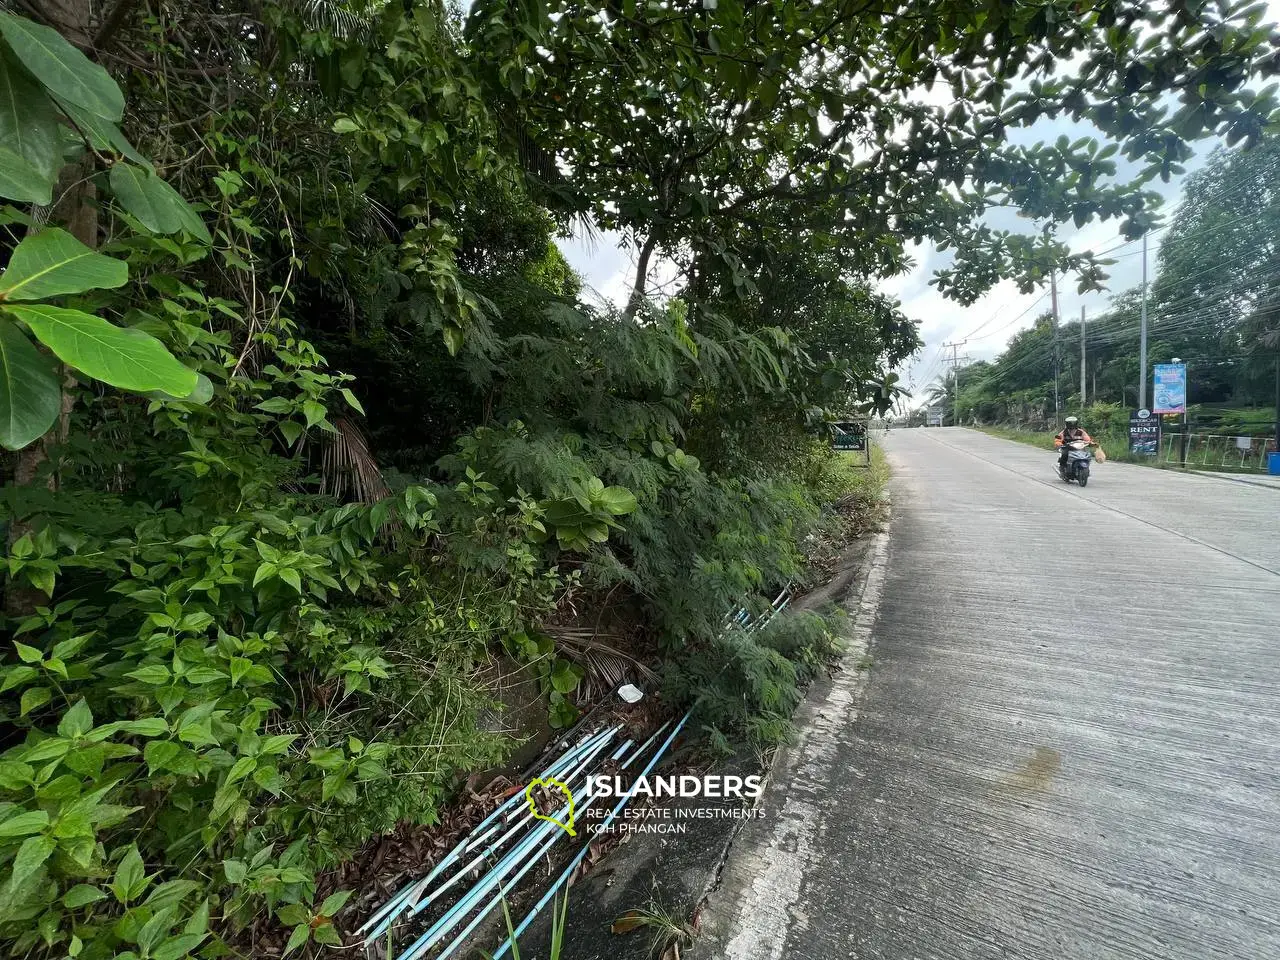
x,y
1068,742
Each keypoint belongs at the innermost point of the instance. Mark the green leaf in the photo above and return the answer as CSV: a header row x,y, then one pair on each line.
x,y
31,855
291,431
130,879
62,68
278,743
20,181
104,135
159,754
297,938
351,400
32,821
28,119
290,576
124,358
65,649
313,411
170,893
241,769
159,207
334,902
82,894
452,340
344,125
617,500
202,393
32,698
198,922
52,263
17,675
147,727
15,775
276,405
292,914
564,676
154,674
154,930
27,653
179,946
325,934
76,722
199,675
139,192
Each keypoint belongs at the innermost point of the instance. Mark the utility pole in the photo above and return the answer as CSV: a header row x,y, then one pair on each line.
x,y
1142,341
1082,363
955,361
1057,401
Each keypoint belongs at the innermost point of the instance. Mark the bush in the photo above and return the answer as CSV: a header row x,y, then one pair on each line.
x,y
234,677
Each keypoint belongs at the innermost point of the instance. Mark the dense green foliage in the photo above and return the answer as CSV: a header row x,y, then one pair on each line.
x,y
349,435
1212,303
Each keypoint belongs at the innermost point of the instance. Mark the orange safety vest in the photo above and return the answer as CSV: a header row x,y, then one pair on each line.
x,y
1080,434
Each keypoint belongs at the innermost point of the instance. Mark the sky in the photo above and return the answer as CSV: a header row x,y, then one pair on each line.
x,y
608,268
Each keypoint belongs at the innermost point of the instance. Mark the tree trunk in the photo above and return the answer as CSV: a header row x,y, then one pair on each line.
x,y
642,273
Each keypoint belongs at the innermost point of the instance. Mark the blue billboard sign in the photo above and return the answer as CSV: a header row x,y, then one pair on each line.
x,y
1170,388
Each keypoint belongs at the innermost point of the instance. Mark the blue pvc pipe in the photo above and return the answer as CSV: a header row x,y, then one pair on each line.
x,y
493,847
464,906
386,914
504,885
573,864
528,864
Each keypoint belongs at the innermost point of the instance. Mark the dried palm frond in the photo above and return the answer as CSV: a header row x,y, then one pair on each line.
x,y
347,465
607,667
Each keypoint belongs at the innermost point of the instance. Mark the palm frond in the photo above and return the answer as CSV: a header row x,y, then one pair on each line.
x,y
347,465
607,667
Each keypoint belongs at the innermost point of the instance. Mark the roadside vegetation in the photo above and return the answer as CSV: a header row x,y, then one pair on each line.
x,y
311,428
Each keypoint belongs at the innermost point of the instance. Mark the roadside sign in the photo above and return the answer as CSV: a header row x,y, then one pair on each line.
x,y
1170,388
1144,432
851,435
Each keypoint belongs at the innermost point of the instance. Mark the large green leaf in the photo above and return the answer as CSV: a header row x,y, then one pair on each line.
x,y
157,205
201,394
129,359
28,119
20,181
101,132
62,68
53,262
30,397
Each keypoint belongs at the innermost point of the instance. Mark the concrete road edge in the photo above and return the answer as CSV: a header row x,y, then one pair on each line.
x,y
757,893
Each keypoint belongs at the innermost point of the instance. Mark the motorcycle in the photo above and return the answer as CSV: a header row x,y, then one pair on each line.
x,y
1076,467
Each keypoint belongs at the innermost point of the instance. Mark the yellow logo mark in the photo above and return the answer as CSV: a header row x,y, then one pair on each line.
x,y
550,784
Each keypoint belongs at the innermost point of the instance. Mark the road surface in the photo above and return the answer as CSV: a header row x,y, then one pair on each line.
x,y
1068,742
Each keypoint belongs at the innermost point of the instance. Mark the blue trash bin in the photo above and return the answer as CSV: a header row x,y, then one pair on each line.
x,y
1273,464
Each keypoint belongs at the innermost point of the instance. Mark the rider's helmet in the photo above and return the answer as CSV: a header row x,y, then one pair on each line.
x,y
1072,421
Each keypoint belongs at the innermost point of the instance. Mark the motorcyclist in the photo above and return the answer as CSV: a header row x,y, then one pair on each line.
x,y
1070,432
